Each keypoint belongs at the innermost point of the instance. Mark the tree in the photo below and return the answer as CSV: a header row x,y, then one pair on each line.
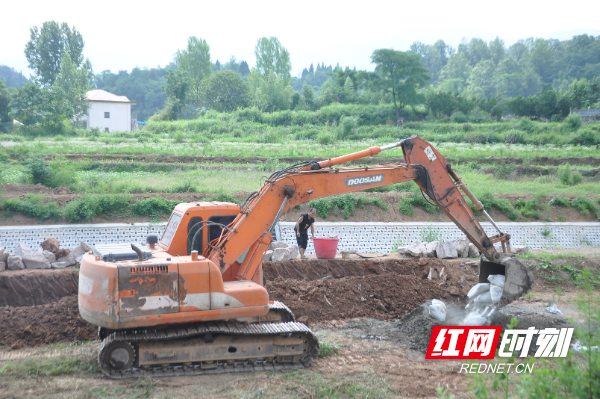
x,y
194,63
177,88
458,70
309,95
399,74
348,92
271,91
481,81
226,91
31,104
497,50
69,89
244,69
271,56
44,50
5,102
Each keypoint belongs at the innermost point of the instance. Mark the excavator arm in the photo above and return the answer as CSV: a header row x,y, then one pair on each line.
x,y
249,235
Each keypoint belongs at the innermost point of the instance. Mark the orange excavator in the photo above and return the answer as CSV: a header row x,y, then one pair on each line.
x,y
193,302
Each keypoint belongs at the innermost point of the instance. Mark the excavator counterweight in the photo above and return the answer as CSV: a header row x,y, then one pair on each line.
x,y
193,302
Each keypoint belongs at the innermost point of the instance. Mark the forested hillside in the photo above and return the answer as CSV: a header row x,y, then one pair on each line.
x,y
11,77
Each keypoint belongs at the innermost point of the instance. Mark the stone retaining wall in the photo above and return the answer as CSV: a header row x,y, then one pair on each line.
x,y
362,237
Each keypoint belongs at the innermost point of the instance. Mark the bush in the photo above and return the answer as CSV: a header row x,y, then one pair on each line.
x,y
407,202
584,205
348,124
458,117
504,171
33,206
569,177
90,206
347,203
154,207
503,205
560,201
573,121
587,138
325,138
477,115
41,172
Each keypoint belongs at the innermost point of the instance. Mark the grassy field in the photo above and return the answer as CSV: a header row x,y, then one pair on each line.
x,y
28,157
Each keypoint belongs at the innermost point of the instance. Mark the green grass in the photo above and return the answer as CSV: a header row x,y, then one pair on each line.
x,y
327,349
40,368
346,204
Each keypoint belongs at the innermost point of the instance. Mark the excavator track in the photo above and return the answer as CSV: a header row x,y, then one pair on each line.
x,y
119,355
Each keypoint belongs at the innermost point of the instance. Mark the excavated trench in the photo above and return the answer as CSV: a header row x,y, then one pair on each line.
x,y
315,290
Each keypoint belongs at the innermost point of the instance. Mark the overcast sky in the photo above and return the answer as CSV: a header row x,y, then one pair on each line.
x,y
125,34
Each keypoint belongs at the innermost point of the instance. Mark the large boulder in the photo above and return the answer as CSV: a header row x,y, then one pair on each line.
x,y
292,252
21,249
59,265
430,248
15,263
279,255
462,247
268,256
2,266
75,254
473,251
36,260
446,250
519,249
417,249
49,256
51,245
4,256
277,245
69,259
1,253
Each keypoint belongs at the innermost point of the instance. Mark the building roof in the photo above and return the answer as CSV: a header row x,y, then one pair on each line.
x,y
106,97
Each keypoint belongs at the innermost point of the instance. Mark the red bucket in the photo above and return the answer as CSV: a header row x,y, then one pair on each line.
x,y
325,248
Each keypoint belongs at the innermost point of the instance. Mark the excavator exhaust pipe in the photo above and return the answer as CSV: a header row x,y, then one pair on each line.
x,y
519,279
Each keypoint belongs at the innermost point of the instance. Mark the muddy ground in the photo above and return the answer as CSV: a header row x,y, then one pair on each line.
x,y
369,213
370,311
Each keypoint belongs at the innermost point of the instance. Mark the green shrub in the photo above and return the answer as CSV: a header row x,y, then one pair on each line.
x,y
179,136
407,202
33,206
584,205
347,203
348,124
91,206
560,201
154,207
530,208
503,205
567,176
504,171
325,138
41,172
573,122
587,138
458,117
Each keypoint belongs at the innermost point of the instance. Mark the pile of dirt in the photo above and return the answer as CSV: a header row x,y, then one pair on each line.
x,y
37,287
383,297
37,325
316,290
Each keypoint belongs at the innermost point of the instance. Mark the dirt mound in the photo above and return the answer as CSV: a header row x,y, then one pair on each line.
x,y
336,268
37,325
381,297
36,287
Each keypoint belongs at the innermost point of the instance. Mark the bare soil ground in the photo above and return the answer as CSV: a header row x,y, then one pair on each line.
x,y
370,213
48,351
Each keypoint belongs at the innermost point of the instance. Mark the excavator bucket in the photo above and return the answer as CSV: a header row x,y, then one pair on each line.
x,y
519,279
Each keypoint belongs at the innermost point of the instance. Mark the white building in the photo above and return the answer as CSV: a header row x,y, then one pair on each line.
x,y
108,112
